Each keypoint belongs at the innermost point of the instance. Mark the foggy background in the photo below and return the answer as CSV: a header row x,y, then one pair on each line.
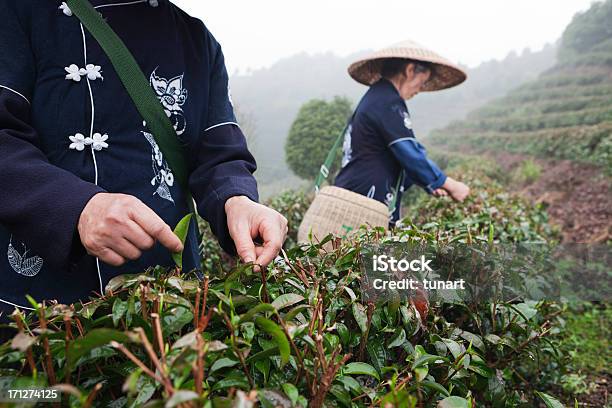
x,y
281,54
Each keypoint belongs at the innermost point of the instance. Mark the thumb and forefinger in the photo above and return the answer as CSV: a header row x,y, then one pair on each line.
x,y
245,247
153,225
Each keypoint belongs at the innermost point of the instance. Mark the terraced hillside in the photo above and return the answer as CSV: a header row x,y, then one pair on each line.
x,y
566,113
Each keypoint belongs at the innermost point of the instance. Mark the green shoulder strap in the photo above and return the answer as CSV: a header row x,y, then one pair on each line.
x,y
137,87
331,156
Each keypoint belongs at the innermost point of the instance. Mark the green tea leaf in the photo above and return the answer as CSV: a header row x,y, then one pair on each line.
x,y
278,335
92,340
222,363
399,337
287,299
292,392
179,397
361,368
238,381
454,402
260,308
175,320
360,316
549,401
119,309
181,232
426,359
436,387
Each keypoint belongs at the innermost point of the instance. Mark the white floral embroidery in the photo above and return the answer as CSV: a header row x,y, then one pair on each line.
x,y
172,96
371,192
79,142
163,178
22,265
407,120
92,71
99,141
153,3
64,7
347,150
73,73
229,95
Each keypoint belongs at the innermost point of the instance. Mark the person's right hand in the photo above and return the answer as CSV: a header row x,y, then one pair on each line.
x,y
457,190
118,227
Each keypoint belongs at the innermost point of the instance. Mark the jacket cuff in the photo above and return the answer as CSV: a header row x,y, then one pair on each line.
x,y
71,240
214,209
436,184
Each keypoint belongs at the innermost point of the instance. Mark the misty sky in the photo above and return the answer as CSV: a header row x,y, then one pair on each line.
x,y
257,33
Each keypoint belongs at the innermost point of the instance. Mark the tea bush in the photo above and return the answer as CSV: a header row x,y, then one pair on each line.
x,y
302,333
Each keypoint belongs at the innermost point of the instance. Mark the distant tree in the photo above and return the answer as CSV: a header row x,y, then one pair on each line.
x,y
587,30
312,134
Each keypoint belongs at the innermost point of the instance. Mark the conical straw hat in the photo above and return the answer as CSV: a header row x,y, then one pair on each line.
x,y
445,73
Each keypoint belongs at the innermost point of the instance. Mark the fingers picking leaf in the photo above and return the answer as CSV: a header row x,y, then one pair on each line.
x,y
180,231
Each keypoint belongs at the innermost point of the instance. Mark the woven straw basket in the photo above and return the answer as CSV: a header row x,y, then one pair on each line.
x,y
339,211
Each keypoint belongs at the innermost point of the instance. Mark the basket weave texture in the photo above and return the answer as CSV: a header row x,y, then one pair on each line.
x,y
339,211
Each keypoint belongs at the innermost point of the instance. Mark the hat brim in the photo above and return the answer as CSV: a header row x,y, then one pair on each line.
x,y
444,75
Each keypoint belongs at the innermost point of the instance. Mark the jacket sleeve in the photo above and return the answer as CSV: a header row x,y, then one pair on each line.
x,y
418,167
224,166
395,127
39,203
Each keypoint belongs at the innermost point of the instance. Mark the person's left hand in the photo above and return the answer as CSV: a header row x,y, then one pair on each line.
x,y
440,192
248,220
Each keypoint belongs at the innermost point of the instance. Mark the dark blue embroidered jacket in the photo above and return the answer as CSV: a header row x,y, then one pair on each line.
x,y
379,146
68,130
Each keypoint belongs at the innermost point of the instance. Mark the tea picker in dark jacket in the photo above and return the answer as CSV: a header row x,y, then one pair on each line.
x,y
380,145
85,192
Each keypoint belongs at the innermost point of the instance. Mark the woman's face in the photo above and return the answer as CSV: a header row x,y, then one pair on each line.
x,y
413,82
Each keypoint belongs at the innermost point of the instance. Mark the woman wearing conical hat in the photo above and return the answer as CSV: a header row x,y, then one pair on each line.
x,y
379,144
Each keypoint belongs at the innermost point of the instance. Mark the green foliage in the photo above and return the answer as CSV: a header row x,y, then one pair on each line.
x,y
240,342
586,31
181,230
527,172
565,114
588,332
590,144
305,333
313,133
490,204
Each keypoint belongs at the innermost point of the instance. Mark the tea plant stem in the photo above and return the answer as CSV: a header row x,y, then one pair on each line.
x,y
198,367
299,274
136,361
92,395
205,317
49,360
68,325
149,348
160,339
237,351
196,312
29,356
79,327
327,378
364,340
143,302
